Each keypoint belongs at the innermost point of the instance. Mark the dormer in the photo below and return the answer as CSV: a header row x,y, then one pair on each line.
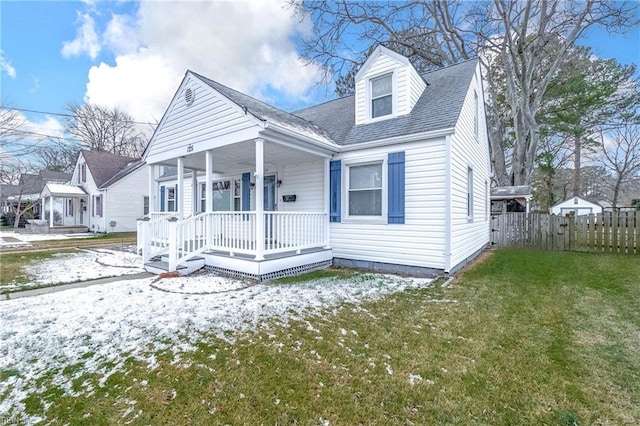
x,y
387,86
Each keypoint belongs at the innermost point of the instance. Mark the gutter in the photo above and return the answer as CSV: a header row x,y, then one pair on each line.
x,y
398,139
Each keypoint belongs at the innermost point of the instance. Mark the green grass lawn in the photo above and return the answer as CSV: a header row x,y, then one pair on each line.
x,y
14,267
523,337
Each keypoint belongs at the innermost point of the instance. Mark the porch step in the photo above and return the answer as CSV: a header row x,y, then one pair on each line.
x,y
185,268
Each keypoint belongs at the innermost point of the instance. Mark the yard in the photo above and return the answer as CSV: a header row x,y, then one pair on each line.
x,y
523,337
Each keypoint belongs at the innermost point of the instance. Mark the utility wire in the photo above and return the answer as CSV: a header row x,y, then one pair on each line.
x,y
59,114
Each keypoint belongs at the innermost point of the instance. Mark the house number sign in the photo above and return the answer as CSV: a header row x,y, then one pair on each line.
x,y
190,147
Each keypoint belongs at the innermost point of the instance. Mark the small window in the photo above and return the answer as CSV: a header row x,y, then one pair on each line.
x,y
98,206
171,199
470,193
381,96
145,206
365,190
82,176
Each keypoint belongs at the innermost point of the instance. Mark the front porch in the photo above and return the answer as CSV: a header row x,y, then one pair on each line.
x,y
293,242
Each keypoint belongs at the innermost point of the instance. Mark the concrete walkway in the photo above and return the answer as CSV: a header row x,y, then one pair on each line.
x,y
54,289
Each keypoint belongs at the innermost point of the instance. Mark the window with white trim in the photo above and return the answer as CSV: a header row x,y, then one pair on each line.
x,y
382,96
145,206
364,195
171,198
226,195
470,193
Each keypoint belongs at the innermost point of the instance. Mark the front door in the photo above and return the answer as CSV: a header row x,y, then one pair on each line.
x,y
269,203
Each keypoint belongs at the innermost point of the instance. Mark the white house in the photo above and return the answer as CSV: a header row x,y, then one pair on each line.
x,y
395,177
107,193
576,206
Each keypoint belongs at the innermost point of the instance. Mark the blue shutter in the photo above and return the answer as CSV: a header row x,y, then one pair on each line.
x,y
246,191
175,199
162,198
335,190
396,187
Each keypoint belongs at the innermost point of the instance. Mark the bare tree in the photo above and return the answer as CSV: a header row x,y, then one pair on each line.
x,y
16,199
621,157
511,38
103,129
58,155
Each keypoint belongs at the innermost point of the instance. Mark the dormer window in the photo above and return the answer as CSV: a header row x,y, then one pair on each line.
x,y
381,96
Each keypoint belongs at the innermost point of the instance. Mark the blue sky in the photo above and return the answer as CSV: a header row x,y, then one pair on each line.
x,y
132,55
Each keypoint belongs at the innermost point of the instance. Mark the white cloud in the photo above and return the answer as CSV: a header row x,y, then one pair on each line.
x,y
6,66
86,40
245,45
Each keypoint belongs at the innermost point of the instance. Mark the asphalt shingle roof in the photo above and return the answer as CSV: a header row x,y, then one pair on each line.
x,y
104,165
263,111
438,108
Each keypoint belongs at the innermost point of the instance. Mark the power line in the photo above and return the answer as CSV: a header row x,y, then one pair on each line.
x,y
59,114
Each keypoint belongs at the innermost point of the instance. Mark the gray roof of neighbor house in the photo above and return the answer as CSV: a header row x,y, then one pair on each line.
x,y
104,165
438,108
9,190
49,175
263,111
507,192
124,172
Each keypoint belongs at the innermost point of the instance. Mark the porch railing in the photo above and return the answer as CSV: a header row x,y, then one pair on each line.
x,y
234,233
153,236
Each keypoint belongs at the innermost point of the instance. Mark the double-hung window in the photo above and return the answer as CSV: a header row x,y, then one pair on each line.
x,y
382,96
226,195
365,190
171,199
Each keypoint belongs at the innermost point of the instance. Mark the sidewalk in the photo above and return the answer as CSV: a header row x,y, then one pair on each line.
x,y
56,288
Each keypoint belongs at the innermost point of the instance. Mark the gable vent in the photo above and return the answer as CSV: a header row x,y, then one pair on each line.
x,y
189,96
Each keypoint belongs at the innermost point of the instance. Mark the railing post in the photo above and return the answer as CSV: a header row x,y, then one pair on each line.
x,y
173,244
143,238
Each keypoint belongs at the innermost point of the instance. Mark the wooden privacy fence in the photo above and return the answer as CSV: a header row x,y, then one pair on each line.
x,y
604,232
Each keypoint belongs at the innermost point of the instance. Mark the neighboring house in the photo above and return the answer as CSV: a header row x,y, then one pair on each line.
x,y
510,199
106,193
576,206
29,188
395,177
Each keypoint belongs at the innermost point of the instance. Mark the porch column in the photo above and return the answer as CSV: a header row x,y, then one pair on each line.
x,y
51,211
180,194
153,189
327,205
42,208
194,192
259,175
209,179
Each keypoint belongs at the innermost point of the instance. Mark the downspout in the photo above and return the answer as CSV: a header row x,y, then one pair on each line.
x,y
447,205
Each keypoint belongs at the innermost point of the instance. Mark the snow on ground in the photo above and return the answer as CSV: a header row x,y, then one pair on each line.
x,y
26,237
109,322
83,266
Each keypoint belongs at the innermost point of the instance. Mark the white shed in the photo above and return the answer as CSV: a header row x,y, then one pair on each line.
x,y
576,206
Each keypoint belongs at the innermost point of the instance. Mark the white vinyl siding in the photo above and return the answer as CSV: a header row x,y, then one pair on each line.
x,y
305,180
468,153
211,116
420,241
124,201
407,87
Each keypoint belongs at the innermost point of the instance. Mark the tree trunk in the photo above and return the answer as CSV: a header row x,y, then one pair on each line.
x,y
616,190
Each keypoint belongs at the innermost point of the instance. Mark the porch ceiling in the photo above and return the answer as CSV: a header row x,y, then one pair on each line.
x,y
229,159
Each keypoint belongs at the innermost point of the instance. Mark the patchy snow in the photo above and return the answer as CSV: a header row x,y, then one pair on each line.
x,y
26,237
413,378
96,328
72,267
